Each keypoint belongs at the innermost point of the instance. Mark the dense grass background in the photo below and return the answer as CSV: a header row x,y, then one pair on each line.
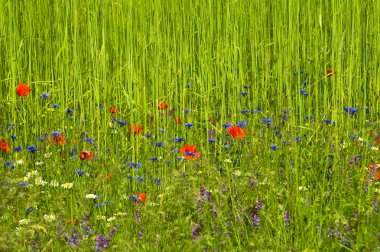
x,y
135,54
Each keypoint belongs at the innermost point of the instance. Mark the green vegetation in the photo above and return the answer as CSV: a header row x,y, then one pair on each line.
x,y
79,153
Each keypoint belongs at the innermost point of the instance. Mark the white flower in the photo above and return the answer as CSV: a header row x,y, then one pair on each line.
x,y
101,217
39,181
41,163
374,148
54,183
67,185
20,162
24,221
227,160
91,196
47,155
110,219
49,217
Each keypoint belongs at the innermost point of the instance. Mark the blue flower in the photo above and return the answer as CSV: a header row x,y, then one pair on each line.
x,y
227,125
89,140
350,110
243,93
32,149
327,121
242,124
22,184
134,165
186,110
179,139
55,106
188,125
245,111
153,159
188,85
79,172
13,137
44,96
121,123
267,121
55,134
163,131
273,147
148,136
309,117
30,209
18,149
210,140
303,92
159,144
69,112
298,139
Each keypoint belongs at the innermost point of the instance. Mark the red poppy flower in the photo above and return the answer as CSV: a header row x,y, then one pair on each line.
x,y
377,170
86,155
190,152
178,120
237,132
58,139
113,110
22,89
330,72
4,145
141,198
162,105
135,129
70,221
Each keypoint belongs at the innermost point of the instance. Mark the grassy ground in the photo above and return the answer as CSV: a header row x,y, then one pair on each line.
x,y
298,78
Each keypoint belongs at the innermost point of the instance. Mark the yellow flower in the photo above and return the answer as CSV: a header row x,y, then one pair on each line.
x,y
67,185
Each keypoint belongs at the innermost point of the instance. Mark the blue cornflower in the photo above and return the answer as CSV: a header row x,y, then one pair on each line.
x,y
89,140
267,121
13,137
245,111
327,121
179,139
188,125
32,149
303,92
79,172
273,147
148,136
121,123
257,109
168,163
55,134
30,209
188,85
153,159
101,107
134,165
309,117
350,110
242,124
44,96
22,184
298,139
69,111
18,149
54,106
186,110
210,140
227,125
159,144
243,93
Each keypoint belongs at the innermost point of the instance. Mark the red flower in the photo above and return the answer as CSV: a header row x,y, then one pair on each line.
x,y
86,155
330,72
135,129
109,175
377,170
22,89
113,110
237,132
4,145
141,198
178,120
190,152
58,139
162,105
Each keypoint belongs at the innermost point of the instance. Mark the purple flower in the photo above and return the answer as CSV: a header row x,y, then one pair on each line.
x,y
44,96
196,231
255,220
286,218
259,205
101,243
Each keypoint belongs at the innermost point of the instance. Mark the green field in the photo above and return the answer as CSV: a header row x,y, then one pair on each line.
x,y
189,125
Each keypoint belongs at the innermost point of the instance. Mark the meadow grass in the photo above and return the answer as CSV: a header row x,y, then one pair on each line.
x,y
298,180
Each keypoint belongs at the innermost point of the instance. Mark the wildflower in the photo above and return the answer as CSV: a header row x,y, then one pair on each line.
x,y
162,105
135,129
22,89
273,147
79,172
86,155
54,106
14,137
24,221
188,85
4,145
109,175
159,144
267,121
44,96
190,152
243,93
286,218
245,111
255,220
227,125
304,93
186,111
211,140
58,138
113,110
242,124
237,132
350,110
49,217
67,185
330,72
20,162
32,149
101,243
188,125
196,231
89,140
139,198
259,205
121,123
30,209
54,183
178,120
69,112
179,139
92,196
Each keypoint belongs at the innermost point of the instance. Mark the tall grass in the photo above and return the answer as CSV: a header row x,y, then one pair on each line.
x,y
199,56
